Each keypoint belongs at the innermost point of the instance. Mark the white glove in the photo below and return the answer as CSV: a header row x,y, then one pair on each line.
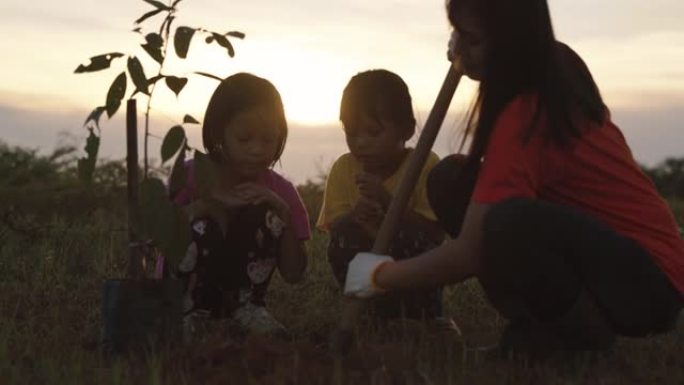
x,y
453,45
360,280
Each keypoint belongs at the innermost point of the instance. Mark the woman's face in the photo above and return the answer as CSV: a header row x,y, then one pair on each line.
x,y
471,44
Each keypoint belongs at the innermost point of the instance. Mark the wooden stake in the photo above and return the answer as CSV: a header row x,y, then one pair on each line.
x,y
134,249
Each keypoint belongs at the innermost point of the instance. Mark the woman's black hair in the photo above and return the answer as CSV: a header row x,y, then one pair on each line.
x,y
378,94
236,94
523,56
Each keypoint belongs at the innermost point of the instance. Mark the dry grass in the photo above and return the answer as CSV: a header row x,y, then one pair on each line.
x,y
51,275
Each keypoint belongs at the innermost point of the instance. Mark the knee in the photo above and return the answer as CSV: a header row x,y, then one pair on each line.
x,y
442,177
446,169
345,233
450,185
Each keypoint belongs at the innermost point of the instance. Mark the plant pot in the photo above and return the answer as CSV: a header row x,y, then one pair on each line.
x,y
140,313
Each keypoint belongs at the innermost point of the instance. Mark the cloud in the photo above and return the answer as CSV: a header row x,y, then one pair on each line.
x,y
652,133
53,15
578,19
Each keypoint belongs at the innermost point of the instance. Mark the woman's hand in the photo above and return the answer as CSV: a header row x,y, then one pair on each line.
x,y
360,280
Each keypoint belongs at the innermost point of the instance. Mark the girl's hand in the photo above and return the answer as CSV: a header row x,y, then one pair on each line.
x,y
372,187
368,214
360,280
228,199
256,194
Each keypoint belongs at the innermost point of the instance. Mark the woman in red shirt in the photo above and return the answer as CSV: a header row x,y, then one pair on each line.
x,y
549,210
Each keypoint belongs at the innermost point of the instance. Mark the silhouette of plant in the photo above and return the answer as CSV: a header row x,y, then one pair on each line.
x,y
159,219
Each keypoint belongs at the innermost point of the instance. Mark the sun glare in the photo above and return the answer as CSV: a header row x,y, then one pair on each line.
x,y
309,97
310,83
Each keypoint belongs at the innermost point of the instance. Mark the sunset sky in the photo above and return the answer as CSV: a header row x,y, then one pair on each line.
x,y
309,49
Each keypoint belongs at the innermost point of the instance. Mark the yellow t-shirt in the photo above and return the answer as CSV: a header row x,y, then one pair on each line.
x,y
341,192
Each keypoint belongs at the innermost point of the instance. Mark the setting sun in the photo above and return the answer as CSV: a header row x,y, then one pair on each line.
x,y
310,82
308,97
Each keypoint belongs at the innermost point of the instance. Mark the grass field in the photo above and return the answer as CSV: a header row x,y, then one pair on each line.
x,y
53,264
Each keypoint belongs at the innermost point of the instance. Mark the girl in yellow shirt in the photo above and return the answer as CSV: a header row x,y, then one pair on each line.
x,y
378,119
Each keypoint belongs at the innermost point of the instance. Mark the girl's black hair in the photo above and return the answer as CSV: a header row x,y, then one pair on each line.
x,y
523,56
235,94
378,94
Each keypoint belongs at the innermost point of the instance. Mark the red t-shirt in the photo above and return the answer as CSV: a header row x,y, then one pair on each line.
x,y
596,174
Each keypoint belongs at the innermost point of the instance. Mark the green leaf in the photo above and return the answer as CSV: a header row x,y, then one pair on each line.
x,y
154,40
223,42
154,46
176,84
190,120
154,52
181,40
98,62
147,16
162,221
92,145
173,140
206,173
137,73
158,4
115,94
178,178
95,116
86,165
236,34
210,76
150,190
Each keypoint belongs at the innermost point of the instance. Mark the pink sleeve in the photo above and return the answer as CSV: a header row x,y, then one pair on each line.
x,y
300,217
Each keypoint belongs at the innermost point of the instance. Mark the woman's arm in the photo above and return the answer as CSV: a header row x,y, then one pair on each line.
x,y
453,261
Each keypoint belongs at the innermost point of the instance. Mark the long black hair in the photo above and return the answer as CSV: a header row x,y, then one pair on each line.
x,y
236,94
523,56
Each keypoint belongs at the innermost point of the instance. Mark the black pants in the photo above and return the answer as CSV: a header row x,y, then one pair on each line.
x,y
232,265
538,257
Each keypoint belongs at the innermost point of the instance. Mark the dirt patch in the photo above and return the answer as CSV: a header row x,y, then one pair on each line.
x,y
266,360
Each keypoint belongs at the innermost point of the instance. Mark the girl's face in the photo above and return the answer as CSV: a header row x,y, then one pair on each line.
x,y
377,145
471,44
250,142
